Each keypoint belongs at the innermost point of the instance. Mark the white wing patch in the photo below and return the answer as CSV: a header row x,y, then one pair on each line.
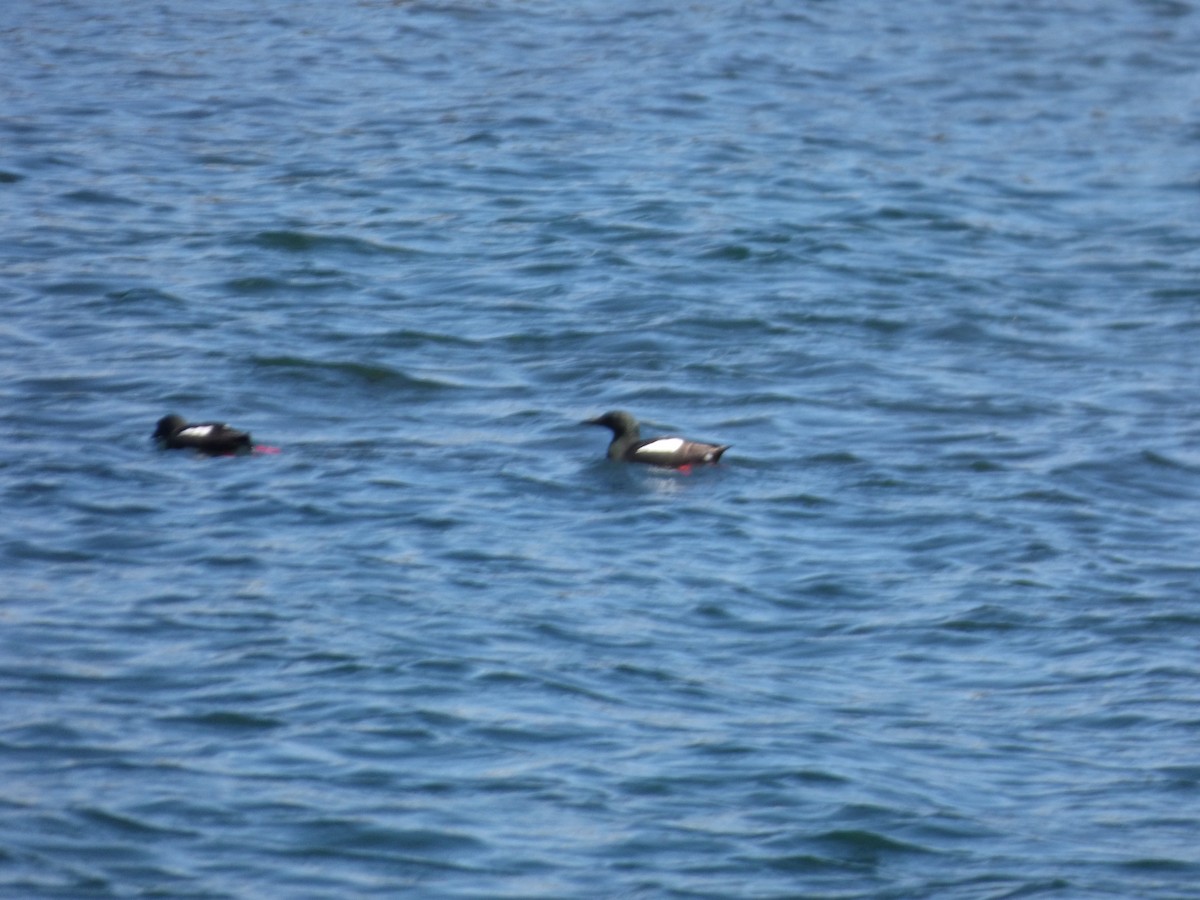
x,y
662,445
197,431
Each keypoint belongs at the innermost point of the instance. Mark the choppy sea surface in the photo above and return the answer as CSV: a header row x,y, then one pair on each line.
x,y
932,629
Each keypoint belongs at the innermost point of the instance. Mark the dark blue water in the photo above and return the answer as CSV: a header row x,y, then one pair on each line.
x,y
931,630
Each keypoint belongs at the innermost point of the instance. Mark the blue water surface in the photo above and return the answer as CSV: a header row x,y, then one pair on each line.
x,y
930,630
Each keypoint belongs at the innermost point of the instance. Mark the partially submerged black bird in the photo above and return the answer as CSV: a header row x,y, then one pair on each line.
x,y
212,438
673,452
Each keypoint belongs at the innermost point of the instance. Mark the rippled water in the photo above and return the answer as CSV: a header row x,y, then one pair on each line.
x,y
931,630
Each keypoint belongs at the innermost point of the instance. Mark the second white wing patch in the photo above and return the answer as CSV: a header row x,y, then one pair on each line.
x,y
662,445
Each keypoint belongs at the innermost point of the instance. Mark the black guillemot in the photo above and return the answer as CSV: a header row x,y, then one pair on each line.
x,y
212,438
672,452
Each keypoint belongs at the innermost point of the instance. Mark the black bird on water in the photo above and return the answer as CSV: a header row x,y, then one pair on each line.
x,y
211,438
671,452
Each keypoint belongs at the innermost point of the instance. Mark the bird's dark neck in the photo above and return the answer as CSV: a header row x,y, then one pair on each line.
x,y
622,441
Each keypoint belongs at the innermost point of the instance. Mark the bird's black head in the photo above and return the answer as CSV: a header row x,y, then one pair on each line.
x,y
169,425
618,421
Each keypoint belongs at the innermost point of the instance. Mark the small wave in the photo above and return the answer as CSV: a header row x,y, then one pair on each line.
x,y
144,297
743,253
333,837
862,844
99,197
127,824
345,371
307,242
1158,864
25,550
228,720
1161,459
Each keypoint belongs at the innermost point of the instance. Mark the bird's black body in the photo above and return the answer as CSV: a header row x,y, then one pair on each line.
x,y
211,438
670,452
